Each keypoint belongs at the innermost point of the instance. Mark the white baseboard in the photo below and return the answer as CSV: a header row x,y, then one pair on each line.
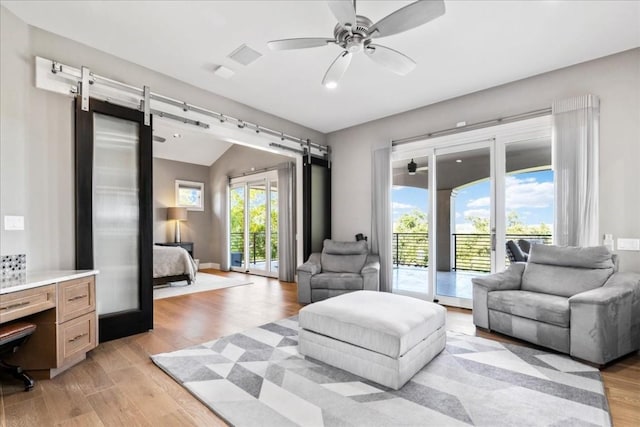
x,y
210,265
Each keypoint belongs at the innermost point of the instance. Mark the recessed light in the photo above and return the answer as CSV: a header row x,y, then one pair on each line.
x,y
224,72
177,135
458,160
331,84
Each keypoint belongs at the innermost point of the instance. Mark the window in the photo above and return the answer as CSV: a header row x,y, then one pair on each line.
x,y
190,195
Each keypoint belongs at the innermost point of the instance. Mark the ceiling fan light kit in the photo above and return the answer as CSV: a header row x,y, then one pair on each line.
x,y
354,34
412,167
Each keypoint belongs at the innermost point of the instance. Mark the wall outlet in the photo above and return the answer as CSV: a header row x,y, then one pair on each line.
x,y
629,244
13,222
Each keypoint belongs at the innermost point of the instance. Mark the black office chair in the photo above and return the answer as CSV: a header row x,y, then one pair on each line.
x,y
12,336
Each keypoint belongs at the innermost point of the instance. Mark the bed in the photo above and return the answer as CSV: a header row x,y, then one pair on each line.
x,y
172,264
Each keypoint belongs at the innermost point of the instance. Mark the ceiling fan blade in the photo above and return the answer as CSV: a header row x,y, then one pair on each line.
x,y
344,11
410,16
304,43
391,59
337,69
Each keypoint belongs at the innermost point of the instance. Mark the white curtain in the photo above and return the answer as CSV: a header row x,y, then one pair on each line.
x,y
223,205
286,224
381,215
575,157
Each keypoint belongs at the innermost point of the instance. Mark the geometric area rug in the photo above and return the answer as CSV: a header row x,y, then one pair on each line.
x,y
258,378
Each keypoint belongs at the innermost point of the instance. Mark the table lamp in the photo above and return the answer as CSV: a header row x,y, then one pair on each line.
x,y
177,214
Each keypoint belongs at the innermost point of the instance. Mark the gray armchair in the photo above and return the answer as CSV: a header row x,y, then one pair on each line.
x,y
341,267
569,299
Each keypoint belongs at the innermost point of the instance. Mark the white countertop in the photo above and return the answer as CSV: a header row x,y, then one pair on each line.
x,y
34,279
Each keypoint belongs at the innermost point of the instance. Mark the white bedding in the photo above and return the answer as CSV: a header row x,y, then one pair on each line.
x,y
172,261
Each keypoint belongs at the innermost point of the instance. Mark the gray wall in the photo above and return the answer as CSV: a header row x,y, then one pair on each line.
x,y
615,79
197,228
234,161
36,150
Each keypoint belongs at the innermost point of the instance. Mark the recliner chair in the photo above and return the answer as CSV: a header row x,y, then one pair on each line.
x,y
341,267
569,299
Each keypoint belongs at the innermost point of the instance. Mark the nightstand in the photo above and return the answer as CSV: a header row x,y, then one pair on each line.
x,y
188,246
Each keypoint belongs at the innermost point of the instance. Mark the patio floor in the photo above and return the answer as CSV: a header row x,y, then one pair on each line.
x,y
449,283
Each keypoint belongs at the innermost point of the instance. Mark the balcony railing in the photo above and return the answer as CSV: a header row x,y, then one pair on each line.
x,y
411,249
472,251
257,252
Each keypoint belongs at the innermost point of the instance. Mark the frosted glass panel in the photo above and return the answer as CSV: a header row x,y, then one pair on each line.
x,y
116,213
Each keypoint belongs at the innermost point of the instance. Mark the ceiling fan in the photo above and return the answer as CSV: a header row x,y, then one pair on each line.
x,y
412,169
355,33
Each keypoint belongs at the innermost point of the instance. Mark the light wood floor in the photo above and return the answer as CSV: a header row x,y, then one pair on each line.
x,y
119,385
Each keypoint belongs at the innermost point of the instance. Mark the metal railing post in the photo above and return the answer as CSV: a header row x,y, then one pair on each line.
x,y
397,248
455,251
254,247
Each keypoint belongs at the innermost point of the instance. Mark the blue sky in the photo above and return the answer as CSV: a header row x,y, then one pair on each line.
x,y
530,194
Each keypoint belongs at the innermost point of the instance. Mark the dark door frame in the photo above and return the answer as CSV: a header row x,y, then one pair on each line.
x,y
115,325
307,163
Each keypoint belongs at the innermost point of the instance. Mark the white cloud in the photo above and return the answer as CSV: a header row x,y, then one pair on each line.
x,y
403,206
520,193
481,213
479,203
458,215
465,228
528,193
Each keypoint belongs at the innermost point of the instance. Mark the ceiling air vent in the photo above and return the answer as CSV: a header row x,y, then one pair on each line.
x,y
244,55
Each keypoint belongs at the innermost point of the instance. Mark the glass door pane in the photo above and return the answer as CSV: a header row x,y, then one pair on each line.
x,y
116,213
273,214
463,221
529,196
237,227
410,214
258,256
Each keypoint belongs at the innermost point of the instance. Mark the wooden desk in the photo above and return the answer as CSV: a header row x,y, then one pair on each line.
x,y
63,307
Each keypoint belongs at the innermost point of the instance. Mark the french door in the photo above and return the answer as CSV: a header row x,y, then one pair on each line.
x,y
114,214
253,224
465,246
473,192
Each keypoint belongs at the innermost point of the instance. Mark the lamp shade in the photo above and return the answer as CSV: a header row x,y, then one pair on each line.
x,y
179,214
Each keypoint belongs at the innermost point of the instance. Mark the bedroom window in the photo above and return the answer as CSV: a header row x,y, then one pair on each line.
x,y
190,195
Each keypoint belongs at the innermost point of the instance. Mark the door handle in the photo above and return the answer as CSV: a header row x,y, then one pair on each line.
x,y
493,241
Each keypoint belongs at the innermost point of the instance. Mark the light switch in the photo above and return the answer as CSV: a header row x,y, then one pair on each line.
x,y
13,222
629,244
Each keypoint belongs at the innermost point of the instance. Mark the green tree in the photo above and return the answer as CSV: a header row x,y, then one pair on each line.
x,y
411,244
412,222
257,221
474,251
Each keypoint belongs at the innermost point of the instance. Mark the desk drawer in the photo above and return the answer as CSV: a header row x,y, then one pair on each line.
x,y
75,298
19,304
76,336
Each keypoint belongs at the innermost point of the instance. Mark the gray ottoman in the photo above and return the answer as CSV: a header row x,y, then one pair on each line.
x,y
380,336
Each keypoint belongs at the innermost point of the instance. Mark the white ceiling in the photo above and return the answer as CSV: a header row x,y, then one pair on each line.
x,y
475,45
193,145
